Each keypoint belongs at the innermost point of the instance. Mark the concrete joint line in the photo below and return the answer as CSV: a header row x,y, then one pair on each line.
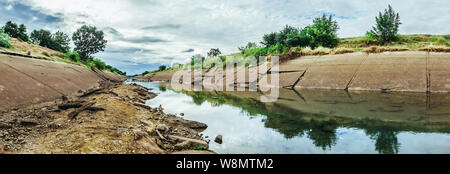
x,y
303,74
33,78
356,72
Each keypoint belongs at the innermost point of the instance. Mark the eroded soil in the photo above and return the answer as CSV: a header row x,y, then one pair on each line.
x,y
112,118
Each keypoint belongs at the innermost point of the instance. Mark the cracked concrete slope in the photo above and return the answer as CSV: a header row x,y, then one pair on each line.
x,y
439,69
332,71
25,81
396,71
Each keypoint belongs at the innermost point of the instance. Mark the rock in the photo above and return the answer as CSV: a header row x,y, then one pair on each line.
x,y
162,127
218,139
188,142
182,114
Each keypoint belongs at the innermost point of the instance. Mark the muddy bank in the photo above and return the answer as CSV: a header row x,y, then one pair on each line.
x,y
112,118
25,81
388,71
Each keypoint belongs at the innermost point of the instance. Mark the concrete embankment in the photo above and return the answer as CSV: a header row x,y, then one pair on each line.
x,y
388,71
25,81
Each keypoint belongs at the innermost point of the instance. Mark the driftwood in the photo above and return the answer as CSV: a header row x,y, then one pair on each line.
x,y
73,114
91,92
75,104
142,106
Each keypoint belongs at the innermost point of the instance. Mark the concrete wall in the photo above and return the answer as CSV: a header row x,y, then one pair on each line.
x,y
25,81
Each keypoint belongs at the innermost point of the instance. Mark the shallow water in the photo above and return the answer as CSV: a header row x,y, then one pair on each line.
x,y
315,121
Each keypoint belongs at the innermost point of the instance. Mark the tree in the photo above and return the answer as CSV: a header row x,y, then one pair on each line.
x,y
321,33
61,42
162,68
214,52
269,39
88,40
282,36
329,25
42,38
386,28
13,30
58,41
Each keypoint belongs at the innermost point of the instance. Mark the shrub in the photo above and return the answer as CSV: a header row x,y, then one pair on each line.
x,y
386,28
74,56
277,49
435,48
259,51
162,68
99,64
321,51
342,51
441,41
307,51
45,53
4,42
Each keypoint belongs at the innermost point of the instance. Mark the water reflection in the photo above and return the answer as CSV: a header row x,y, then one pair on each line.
x,y
320,116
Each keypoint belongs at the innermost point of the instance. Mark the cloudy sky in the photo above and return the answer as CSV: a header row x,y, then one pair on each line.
x,y
142,34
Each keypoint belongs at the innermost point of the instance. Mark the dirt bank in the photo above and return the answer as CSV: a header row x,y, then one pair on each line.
x,y
388,71
112,118
25,81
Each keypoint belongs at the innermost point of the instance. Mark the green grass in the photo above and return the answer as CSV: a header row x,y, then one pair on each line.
x,y
415,42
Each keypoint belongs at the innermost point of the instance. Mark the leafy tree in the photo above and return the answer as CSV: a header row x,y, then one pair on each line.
x,y
386,28
269,39
214,52
88,40
13,30
162,68
248,46
42,38
321,33
282,36
61,42
58,41
329,25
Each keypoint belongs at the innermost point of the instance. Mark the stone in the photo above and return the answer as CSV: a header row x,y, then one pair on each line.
x,y
218,139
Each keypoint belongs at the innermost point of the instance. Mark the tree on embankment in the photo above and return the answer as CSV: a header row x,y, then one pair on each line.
x,y
88,40
386,27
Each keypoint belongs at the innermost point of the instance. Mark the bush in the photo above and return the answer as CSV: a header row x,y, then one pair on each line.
x,y
259,51
162,68
386,28
277,49
99,64
441,41
4,42
74,56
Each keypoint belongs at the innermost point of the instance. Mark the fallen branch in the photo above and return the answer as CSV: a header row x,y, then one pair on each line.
x,y
73,114
75,104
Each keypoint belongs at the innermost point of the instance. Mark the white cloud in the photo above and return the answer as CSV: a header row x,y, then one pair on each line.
x,y
171,26
9,7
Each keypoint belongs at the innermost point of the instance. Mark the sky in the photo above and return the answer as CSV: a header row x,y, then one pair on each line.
x,y
143,34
